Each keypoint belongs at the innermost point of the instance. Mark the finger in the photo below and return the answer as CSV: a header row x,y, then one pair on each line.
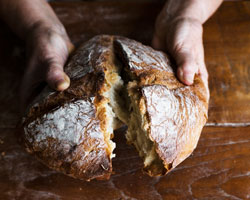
x,y
56,77
30,87
69,44
203,73
187,67
204,76
157,43
34,80
70,47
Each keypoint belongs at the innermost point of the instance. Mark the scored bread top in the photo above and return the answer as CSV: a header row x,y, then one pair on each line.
x,y
68,130
64,129
176,113
146,64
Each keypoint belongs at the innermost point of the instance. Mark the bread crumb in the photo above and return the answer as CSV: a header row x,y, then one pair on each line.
x,y
80,188
103,167
3,154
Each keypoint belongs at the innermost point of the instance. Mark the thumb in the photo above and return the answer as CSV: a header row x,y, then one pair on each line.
x,y
187,67
56,77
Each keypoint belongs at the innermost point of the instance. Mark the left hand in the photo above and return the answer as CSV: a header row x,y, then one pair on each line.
x,y
182,38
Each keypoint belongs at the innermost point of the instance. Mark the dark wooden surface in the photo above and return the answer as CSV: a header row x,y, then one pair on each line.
x,y
227,50
220,166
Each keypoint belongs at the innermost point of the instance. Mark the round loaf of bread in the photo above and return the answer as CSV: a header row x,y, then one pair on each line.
x,y
113,80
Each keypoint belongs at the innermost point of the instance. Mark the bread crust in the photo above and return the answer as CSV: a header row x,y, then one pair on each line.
x,y
68,131
85,153
175,113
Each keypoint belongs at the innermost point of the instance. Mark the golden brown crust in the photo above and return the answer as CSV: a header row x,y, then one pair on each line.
x,y
176,113
89,156
68,130
83,157
145,64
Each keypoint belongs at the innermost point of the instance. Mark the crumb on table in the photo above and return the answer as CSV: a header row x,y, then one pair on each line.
x,y
1,141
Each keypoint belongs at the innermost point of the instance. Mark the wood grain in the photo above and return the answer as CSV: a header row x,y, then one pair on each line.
x,y
227,50
218,169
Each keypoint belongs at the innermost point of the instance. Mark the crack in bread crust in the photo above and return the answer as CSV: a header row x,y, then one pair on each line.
x,y
91,156
116,80
167,116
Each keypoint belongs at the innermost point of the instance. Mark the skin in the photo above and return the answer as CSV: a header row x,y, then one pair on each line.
x,y
178,30
47,44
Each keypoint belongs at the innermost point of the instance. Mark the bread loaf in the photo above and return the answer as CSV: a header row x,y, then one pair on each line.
x,y
116,79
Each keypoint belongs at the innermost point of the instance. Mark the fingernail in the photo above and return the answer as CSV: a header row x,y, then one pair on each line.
x,y
71,48
64,84
181,74
189,78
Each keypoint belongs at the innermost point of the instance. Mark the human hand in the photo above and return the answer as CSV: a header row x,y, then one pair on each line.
x,y
47,50
47,45
182,38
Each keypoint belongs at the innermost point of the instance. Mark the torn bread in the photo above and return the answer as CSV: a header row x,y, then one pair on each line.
x,y
116,79
166,117
71,131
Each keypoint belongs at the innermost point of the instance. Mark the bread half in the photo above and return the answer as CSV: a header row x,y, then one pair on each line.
x,y
71,131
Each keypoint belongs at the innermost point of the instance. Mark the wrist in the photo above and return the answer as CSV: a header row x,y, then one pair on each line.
x,y
31,15
193,9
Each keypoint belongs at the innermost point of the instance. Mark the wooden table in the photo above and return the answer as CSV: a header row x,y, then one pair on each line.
x,y
220,166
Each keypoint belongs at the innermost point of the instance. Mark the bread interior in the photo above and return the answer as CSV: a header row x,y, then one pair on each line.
x,y
138,132
126,105
112,107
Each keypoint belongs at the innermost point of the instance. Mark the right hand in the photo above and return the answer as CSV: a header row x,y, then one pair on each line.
x,y
47,50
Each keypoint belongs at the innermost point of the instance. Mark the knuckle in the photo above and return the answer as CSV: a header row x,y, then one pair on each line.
x,y
189,68
180,48
203,70
53,73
